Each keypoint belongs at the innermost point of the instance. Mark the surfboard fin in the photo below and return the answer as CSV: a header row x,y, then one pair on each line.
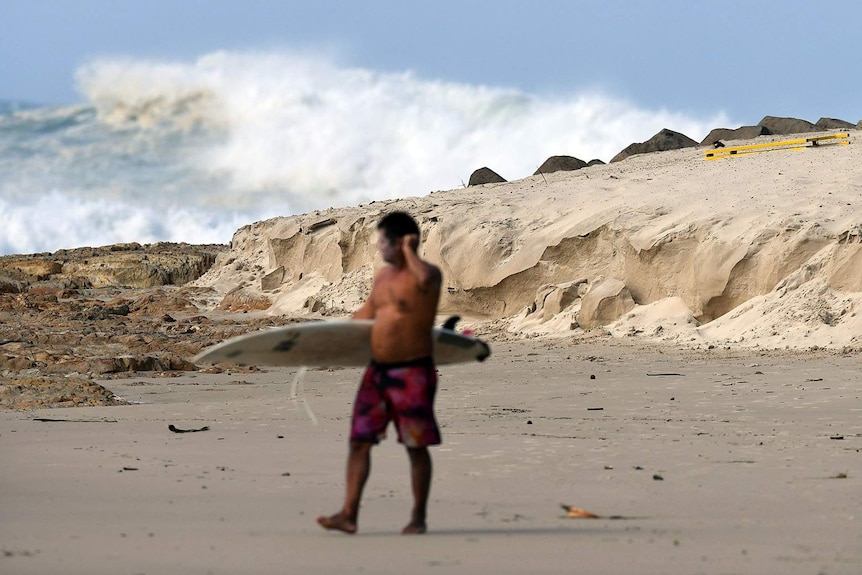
x,y
451,321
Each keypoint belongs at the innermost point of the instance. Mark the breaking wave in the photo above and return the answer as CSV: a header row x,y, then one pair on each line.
x,y
190,151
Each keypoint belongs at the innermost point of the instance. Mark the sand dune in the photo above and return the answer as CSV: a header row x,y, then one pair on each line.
x,y
758,250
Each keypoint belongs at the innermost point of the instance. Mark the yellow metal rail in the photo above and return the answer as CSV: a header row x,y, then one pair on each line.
x,y
798,144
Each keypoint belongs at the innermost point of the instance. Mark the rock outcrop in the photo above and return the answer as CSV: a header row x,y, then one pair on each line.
x,y
485,176
120,265
76,315
560,163
742,133
783,126
663,141
833,124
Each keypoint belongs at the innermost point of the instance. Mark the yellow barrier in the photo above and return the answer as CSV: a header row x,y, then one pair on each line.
x,y
832,139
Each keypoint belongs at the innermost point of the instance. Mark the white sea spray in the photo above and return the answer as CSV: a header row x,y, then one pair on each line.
x,y
190,151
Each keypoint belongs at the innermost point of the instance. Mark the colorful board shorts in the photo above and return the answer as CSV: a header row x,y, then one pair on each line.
x,y
399,392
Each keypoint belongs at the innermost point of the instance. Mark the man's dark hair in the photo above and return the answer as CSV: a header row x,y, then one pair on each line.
x,y
397,225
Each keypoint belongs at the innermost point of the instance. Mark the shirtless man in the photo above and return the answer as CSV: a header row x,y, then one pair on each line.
x,y
400,383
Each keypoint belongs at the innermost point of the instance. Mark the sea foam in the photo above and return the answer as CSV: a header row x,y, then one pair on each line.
x,y
189,151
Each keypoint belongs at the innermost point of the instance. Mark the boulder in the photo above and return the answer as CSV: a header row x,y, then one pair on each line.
x,y
834,124
560,164
742,133
782,126
11,285
485,176
605,301
595,162
661,142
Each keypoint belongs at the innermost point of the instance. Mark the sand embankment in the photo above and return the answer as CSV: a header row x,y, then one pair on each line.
x,y
760,250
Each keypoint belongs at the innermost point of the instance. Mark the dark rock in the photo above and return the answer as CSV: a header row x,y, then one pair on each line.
x,y
834,124
663,141
560,164
485,176
10,285
742,133
122,309
595,162
128,247
95,313
783,126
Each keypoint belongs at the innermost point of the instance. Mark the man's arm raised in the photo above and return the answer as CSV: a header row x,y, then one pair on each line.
x,y
427,275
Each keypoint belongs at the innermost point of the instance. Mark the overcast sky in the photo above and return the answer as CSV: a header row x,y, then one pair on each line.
x,y
744,58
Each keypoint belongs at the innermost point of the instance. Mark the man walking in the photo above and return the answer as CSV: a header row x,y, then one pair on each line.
x,y
400,383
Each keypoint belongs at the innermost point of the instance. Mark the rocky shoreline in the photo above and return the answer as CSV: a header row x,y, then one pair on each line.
x,y
73,316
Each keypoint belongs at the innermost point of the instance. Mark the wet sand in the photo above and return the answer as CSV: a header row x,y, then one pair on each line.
x,y
698,462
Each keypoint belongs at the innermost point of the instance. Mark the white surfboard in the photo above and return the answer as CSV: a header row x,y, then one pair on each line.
x,y
337,343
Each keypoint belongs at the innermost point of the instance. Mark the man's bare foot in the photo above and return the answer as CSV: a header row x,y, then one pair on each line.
x,y
414,528
339,522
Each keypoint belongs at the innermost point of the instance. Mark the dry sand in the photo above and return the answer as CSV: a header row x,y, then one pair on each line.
x,y
756,251
760,460
721,432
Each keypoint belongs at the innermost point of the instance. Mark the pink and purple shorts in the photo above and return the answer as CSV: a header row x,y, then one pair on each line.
x,y
399,392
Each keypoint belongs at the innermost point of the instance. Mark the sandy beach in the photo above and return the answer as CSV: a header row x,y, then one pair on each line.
x,y
676,349
697,463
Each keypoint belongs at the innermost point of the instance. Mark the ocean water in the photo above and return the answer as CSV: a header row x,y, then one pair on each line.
x,y
191,151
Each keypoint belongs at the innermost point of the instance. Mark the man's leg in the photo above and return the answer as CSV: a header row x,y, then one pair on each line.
x,y
358,470
420,475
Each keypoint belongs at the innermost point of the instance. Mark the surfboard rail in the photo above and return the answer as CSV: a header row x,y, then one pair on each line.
x,y
333,343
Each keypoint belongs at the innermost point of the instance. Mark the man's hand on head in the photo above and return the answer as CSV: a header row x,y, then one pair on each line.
x,y
411,242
